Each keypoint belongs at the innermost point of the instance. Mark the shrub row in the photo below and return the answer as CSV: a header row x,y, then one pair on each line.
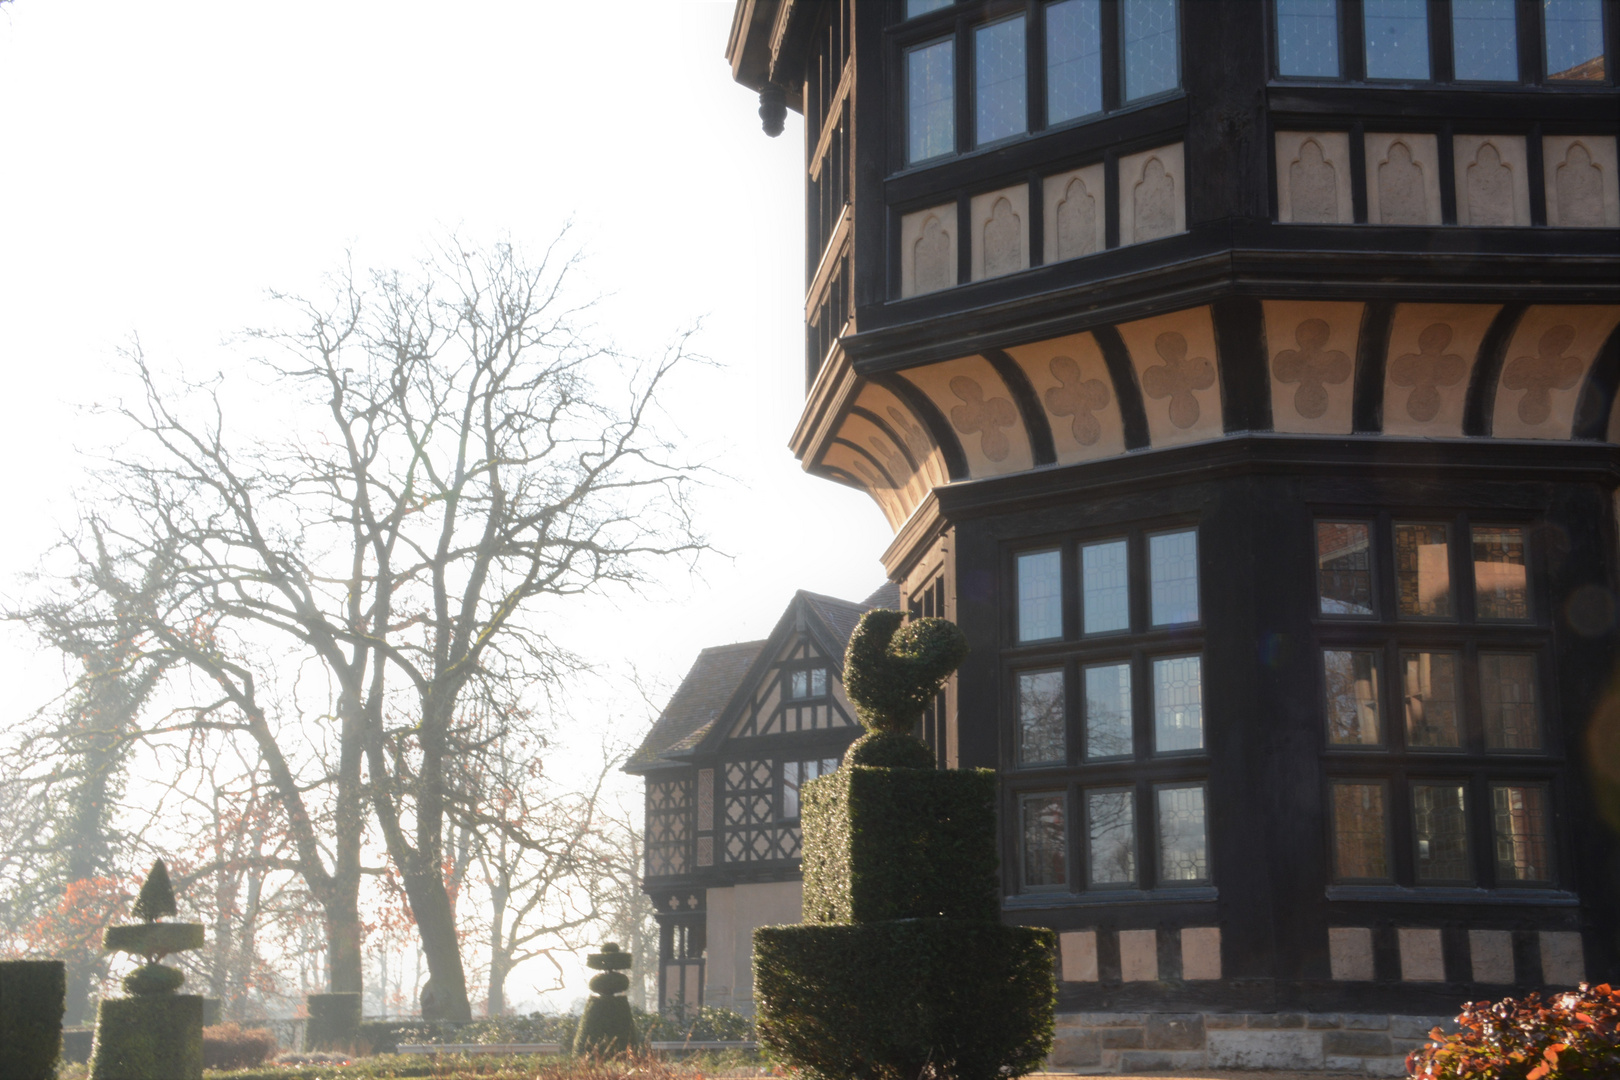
x,y
32,994
1573,1036
231,1046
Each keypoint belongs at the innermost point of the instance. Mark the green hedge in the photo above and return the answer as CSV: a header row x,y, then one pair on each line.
x,y
32,997
888,1001
334,1021
148,1038
900,844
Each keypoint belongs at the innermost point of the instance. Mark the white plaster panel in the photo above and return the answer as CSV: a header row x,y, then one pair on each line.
x,y
1350,953
1075,220
1139,955
1421,958
980,408
1490,956
1493,180
1000,231
1179,372
1071,381
1313,181
928,250
1432,350
1078,949
1403,178
1562,962
1201,952
1583,191
1544,367
1312,347
1152,194
720,961
776,903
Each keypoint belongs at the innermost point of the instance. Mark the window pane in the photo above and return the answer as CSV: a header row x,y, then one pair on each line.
x,y
790,789
1440,826
1431,699
1499,579
1523,849
931,100
1073,59
915,8
1344,567
998,80
1183,851
1151,61
800,684
1423,570
1574,39
1397,39
818,682
1484,40
1105,588
1111,825
1040,717
1178,704
1507,692
1046,861
1173,569
1360,833
1352,697
1308,37
1108,711
1040,596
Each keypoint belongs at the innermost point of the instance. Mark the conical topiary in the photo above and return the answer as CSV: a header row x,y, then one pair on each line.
x,y
157,896
607,1027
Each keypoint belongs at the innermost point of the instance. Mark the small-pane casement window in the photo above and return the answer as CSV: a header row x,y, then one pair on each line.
x,y
1173,577
1111,837
1041,718
930,100
1440,832
915,8
1397,38
808,683
795,774
1519,819
1308,38
1178,704
1183,834
1507,697
1044,831
1360,830
1573,32
1429,685
1501,585
1485,40
1353,706
1040,595
1152,47
1074,80
1000,109
1344,575
1108,711
1423,571
1105,587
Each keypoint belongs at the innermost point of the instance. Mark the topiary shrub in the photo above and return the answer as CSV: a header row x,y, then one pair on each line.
x,y
334,1021
1574,1036
33,996
607,1029
148,1038
892,672
231,1046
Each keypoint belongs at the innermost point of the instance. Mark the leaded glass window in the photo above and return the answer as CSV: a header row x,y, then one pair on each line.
x,y
999,85
1108,711
1178,704
1105,587
1485,40
1041,721
1423,570
1045,841
1152,57
1183,838
1507,694
915,8
1073,59
1519,819
1040,596
1440,829
930,100
1352,697
1397,33
1308,38
1500,586
1430,687
1360,832
1173,572
795,774
1344,567
1574,40
1111,836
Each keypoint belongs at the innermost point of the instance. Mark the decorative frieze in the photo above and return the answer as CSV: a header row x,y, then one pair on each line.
x,y
1000,232
1313,178
1152,195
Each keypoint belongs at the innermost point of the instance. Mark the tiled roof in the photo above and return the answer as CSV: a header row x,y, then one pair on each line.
x,y
700,698
839,615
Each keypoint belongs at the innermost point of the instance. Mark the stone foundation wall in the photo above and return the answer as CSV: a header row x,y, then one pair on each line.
x,y
1345,1042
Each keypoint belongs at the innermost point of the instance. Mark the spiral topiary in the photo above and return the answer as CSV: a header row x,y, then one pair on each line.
x,y
891,673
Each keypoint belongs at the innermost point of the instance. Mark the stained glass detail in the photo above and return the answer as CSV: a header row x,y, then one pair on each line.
x,y
1178,704
1360,832
1041,738
1574,40
1308,38
1507,694
1045,841
1440,827
1485,40
999,85
1111,833
1152,59
1431,700
1073,59
1423,570
915,8
1183,844
1105,587
1397,34
1173,571
1500,587
1352,697
1520,821
1344,567
1040,596
931,100
1108,711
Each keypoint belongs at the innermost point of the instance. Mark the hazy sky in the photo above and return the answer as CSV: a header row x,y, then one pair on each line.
x,y
163,164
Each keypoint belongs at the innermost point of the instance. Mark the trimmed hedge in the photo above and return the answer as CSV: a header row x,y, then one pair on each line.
x,y
231,1046
33,995
334,1021
900,844
945,998
148,1038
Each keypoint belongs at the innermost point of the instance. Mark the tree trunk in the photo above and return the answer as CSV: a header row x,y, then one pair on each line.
x,y
497,955
343,934
441,947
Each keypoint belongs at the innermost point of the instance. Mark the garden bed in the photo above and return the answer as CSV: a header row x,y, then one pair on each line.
x,y
490,1067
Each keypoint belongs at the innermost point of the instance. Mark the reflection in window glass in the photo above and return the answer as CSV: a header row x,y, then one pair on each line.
x,y
1574,32
1485,40
1507,694
1519,820
1046,841
1040,718
998,80
1040,596
1397,38
1178,704
1152,63
795,774
1105,587
1431,699
930,100
1440,826
818,682
1073,59
799,684
1499,578
1344,567
1352,697
1308,38
1111,826
915,8
1108,711
1183,849
1360,832
1423,570
1173,572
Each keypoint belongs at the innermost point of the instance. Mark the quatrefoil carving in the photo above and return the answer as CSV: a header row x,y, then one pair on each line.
x,y
1539,375
1426,370
1313,366
985,416
1178,377
1077,397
